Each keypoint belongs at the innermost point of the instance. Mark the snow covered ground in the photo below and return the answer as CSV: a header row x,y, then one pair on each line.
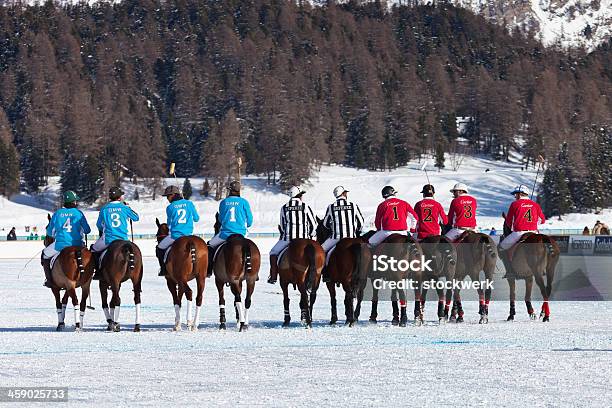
x,y
490,182
566,362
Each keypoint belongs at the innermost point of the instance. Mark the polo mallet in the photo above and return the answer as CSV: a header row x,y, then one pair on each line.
x,y
132,230
424,168
540,160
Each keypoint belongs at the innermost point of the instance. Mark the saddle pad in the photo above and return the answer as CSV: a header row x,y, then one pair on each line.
x,y
217,251
54,259
166,253
101,258
328,256
280,256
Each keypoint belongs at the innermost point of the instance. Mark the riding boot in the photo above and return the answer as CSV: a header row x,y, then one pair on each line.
x,y
46,264
211,261
273,269
159,253
96,258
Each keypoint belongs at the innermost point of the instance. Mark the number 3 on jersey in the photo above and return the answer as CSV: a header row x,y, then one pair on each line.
x,y
115,220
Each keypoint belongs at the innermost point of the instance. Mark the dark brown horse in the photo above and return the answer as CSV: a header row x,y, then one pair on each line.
x,y
73,268
443,256
476,252
187,260
348,265
121,262
236,261
400,247
534,256
300,265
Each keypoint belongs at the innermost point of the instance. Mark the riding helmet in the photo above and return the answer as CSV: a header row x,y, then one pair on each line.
x,y
388,191
339,190
521,189
171,190
70,197
234,186
295,192
428,189
459,187
115,193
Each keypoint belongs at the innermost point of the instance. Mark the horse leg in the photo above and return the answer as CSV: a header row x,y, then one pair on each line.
x,y
83,306
545,312
303,305
179,295
528,288
481,305
220,289
457,306
441,307
116,306
177,304
200,282
358,305
61,312
250,284
75,307
137,289
403,305
189,297
332,298
103,286
512,286
447,304
374,312
395,306
419,304
285,287
237,290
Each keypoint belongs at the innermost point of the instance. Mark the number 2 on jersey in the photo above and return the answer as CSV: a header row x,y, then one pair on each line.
x,y
182,213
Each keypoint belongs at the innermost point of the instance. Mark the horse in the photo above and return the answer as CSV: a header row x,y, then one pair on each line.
x,y
122,261
237,260
73,268
443,257
301,265
533,256
476,252
187,260
402,248
348,265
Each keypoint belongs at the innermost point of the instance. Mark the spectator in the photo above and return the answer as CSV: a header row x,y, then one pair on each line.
x,y
31,237
586,231
12,235
493,232
600,229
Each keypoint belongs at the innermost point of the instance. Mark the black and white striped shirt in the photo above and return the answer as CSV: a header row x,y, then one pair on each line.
x,y
344,219
296,220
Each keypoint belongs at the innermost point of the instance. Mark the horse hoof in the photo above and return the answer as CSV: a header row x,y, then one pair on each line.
x,y
116,328
193,328
546,319
60,327
285,324
460,319
442,320
533,316
332,322
483,320
417,322
395,321
402,324
373,320
222,326
510,318
352,324
243,327
137,328
177,327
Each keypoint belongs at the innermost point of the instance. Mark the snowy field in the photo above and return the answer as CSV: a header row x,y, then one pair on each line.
x,y
567,362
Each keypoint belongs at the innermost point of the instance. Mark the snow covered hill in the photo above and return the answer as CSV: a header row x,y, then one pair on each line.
x,y
490,182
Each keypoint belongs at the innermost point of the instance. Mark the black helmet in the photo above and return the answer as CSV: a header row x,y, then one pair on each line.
x,y
428,189
388,191
234,186
115,193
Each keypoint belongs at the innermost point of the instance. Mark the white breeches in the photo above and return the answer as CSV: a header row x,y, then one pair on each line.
x,y
512,239
381,235
165,243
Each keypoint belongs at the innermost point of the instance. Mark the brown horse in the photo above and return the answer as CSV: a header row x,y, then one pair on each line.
x,y
187,260
348,265
534,256
236,261
301,265
73,268
476,252
443,256
400,247
121,262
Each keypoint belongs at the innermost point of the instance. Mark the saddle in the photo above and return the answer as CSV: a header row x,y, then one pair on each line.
x,y
510,251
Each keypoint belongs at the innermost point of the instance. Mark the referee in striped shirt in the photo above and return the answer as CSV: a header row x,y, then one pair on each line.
x,y
343,218
296,221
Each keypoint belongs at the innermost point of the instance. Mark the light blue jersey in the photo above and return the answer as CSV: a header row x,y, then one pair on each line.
x,y
181,215
67,226
113,221
235,216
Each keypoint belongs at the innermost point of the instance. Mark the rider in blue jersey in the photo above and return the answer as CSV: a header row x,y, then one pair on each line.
x,y
235,217
112,223
180,214
67,226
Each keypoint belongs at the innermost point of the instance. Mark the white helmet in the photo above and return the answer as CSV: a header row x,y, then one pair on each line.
x,y
295,192
459,187
339,190
520,189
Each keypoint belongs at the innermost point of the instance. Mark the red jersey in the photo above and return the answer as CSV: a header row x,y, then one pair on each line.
x,y
524,215
429,215
392,215
462,212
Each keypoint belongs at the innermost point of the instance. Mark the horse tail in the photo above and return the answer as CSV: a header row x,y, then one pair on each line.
x,y
128,255
486,240
192,251
446,249
311,272
246,256
78,255
549,245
